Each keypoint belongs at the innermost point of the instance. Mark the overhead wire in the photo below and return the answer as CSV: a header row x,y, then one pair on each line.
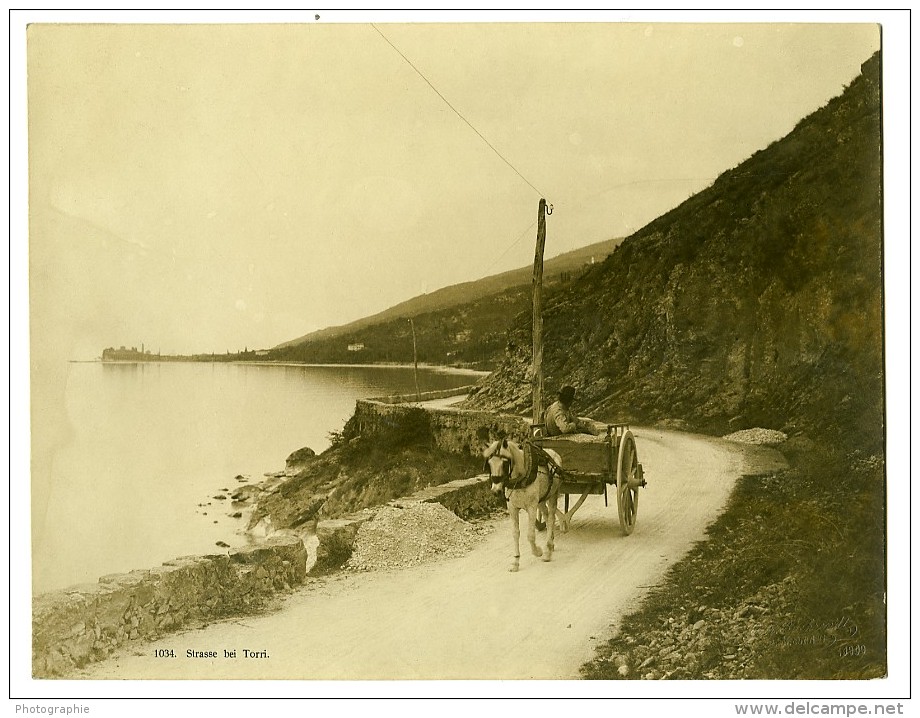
x,y
457,112
520,237
500,155
507,249
478,134
505,159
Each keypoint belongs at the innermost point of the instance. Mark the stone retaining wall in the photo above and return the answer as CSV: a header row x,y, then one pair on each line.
x,y
424,396
457,430
85,623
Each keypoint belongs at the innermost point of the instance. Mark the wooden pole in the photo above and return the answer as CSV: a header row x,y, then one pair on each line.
x,y
418,396
538,316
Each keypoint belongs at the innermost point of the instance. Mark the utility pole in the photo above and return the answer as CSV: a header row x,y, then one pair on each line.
x,y
537,381
418,396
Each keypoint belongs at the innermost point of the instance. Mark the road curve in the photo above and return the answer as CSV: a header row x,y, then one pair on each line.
x,y
469,618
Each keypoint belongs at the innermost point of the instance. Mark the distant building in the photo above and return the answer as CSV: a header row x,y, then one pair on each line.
x,y
129,355
355,347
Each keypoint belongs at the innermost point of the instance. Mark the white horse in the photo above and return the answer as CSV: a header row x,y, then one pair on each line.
x,y
529,483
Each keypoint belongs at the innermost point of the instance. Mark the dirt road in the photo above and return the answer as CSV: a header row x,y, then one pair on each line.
x,y
469,618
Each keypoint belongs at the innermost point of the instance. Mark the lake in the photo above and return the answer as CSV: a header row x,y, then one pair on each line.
x,y
151,444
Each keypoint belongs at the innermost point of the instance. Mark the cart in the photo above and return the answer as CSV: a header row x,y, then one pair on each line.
x,y
591,463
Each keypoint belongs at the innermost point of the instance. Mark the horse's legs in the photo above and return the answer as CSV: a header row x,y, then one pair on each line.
x,y
532,530
514,512
550,527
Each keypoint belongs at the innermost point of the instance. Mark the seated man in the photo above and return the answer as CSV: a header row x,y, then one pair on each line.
x,y
560,419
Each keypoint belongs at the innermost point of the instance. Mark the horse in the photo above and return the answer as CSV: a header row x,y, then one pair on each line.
x,y
529,482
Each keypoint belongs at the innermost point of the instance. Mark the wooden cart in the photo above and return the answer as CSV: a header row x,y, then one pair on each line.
x,y
591,463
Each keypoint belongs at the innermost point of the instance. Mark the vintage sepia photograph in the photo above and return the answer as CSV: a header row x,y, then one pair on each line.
x,y
475,354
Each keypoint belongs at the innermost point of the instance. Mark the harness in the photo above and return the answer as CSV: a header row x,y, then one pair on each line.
x,y
535,458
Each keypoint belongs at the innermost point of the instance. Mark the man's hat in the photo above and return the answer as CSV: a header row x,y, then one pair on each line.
x,y
567,394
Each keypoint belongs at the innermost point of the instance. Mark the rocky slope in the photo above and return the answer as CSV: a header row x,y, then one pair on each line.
x,y
358,472
789,584
757,302
457,323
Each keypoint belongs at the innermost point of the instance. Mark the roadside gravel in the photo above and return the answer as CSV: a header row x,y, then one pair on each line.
x,y
761,437
416,534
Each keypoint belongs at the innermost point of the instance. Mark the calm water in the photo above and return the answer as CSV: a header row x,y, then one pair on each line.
x,y
150,443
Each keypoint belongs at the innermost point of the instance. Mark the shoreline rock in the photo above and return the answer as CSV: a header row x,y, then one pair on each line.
x,y
298,461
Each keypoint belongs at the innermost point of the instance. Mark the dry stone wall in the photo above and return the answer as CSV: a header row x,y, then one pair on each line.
x,y
461,431
424,396
85,623
455,430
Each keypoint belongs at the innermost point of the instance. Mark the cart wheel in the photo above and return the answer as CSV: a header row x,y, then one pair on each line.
x,y
628,481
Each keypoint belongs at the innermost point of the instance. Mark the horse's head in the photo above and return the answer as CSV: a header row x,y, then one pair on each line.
x,y
498,463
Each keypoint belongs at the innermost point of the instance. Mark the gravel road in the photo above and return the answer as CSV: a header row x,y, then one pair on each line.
x,y
468,617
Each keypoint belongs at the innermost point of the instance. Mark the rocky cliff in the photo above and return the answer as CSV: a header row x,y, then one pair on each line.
x,y
757,302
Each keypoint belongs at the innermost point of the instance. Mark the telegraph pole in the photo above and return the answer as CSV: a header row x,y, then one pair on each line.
x,y
537,381
418,396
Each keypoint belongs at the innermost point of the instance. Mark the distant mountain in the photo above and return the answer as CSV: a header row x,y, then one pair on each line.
x,y
467,292
757,302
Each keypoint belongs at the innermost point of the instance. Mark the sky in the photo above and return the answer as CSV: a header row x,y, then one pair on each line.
x,y
201,188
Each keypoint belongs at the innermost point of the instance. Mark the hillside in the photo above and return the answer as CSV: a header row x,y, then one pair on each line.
x,y
757,302
455,324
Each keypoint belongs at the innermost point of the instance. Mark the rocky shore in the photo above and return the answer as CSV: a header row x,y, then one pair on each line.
x,y
89,622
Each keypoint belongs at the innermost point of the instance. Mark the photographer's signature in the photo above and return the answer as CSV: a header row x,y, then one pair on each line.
x,y
841,636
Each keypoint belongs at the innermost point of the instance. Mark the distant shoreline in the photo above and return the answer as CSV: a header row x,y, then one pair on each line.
x,y
387,365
